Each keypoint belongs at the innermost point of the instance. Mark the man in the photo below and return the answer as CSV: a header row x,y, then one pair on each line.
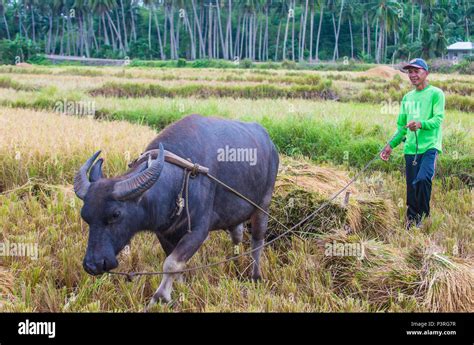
x,y
419,125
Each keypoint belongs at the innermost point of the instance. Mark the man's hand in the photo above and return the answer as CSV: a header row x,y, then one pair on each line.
x,y
413,125
385,154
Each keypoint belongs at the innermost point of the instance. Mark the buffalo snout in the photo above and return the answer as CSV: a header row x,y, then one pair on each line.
x,y
97,267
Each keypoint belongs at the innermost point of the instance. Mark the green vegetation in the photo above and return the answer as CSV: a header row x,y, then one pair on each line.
x,y
247,31
8,83
320,91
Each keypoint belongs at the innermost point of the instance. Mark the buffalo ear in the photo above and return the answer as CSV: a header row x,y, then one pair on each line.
x,y
96,171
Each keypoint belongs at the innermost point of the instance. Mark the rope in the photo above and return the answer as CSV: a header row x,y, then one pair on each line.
x,y
130,275
416,150
179,200
186,198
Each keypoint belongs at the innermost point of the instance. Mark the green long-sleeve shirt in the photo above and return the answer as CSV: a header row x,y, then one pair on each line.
x,y
427,107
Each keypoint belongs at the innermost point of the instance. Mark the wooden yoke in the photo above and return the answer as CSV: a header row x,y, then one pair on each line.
x,y
170,157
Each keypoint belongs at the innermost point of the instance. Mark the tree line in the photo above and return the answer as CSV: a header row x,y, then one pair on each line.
x,y
260,30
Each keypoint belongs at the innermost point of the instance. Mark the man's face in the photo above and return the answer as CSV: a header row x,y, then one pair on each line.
x,y
417,75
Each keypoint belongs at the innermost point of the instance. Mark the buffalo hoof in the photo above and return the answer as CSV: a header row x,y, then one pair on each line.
x,y
180,278
157,298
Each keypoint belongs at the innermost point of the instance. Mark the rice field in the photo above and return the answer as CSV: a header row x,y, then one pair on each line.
x,y
53,118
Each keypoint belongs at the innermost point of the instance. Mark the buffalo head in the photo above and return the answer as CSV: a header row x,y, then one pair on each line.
x,y
112,208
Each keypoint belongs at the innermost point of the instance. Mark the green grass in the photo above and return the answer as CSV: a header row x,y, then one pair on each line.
x,y
224,64
8,83
320,89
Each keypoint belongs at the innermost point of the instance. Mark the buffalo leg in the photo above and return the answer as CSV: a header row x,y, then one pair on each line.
x,y
167,245
236,233
176,261
259,227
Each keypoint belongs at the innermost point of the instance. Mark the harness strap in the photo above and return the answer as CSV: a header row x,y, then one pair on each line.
x,y
188,214
182,202
191,170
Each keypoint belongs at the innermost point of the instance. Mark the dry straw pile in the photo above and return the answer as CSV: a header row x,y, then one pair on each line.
x,y
302,187
384,72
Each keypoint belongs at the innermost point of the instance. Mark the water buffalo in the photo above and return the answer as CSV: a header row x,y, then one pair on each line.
x,y
240,154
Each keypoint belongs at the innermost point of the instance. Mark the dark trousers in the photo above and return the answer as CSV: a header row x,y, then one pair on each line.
x,y
419,179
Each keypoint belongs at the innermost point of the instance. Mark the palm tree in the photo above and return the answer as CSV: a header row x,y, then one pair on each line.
x,y
311,24
3,9
349,15
132,17
336,44
439,30
158,32
321,14
123,25
293,33
386,13
228,32
280,10
392,21
421,2
289,14
267,4
17,9
30,5
199,30
252,7
169,13
219,29
468,15
80,7
50,12
245,28
412,19
302,35
112,5
60,14
367,10
332,8
149,4
187,24
100,7
402,49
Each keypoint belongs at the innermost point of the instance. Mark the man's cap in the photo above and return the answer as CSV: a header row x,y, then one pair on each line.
x,y
416,63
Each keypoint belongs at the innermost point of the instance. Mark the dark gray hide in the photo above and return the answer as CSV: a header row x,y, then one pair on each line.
x,y
114,218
